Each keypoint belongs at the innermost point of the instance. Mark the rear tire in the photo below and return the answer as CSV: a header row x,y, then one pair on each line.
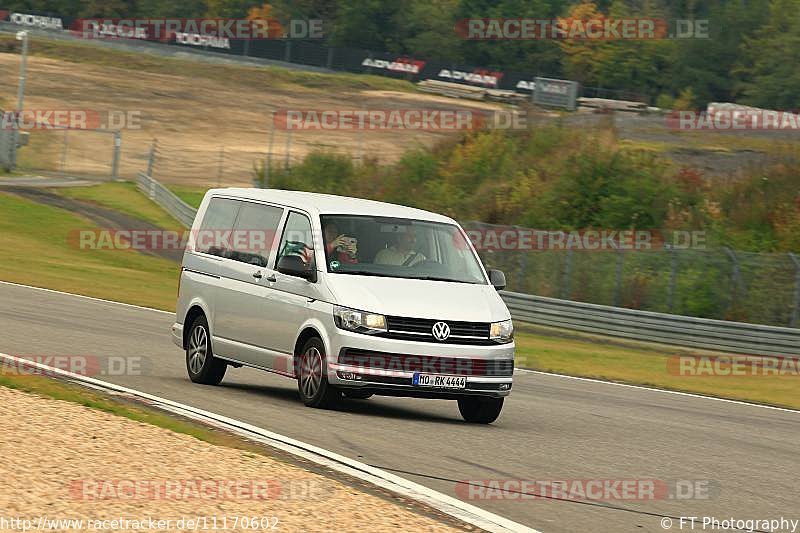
x,y
477,410
312,377
201,364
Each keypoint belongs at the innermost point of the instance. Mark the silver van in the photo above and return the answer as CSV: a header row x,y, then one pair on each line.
x,y
350,297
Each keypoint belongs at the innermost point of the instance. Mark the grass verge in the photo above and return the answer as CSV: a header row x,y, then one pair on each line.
x,y
125,198
612,360
40,248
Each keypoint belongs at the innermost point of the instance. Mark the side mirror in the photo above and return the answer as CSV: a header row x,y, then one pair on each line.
x,y
292,265
497,279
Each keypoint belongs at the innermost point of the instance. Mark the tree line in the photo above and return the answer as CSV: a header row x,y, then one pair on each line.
x,y
750,55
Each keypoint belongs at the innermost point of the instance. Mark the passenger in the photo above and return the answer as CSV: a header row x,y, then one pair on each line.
x,y
402,252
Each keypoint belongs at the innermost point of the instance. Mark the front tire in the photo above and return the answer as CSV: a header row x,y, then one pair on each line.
x,y
477,410
312,377
201,364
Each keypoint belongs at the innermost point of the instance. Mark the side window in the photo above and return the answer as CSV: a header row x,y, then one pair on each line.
x,y
254,233
296,239
217,224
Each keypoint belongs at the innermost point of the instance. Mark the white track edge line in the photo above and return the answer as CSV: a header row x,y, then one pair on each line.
x,y
516,369
446,504
85,297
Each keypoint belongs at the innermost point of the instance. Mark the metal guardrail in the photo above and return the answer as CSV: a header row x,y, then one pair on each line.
x,y
721,335
179,209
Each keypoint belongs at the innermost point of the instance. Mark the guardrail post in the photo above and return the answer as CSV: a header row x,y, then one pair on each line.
x,y
796,310
115,156
618,278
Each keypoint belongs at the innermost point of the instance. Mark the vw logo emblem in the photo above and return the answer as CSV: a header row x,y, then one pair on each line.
x,y
441,331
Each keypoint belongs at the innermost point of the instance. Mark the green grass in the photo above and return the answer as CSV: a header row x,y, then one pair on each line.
x,y
191,195
613,360
123,197
237,74
39,245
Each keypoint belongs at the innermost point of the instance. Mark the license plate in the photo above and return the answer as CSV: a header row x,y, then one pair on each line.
x,y
438,381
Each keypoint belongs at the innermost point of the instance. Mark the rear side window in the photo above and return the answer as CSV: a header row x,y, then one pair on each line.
x,y
213,237
254,233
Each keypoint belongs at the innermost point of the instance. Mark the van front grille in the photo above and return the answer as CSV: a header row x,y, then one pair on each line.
x,y
421,330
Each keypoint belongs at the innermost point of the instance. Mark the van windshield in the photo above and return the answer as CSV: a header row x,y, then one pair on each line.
x,y
398,248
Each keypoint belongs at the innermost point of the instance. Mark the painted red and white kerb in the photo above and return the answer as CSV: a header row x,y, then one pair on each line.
x,y
597,490
379,119
199,489
732,366
731,117
83,365
213,32
490,29
404,65
509,238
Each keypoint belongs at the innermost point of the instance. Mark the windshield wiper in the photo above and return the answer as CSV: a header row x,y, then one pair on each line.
x,y
436,278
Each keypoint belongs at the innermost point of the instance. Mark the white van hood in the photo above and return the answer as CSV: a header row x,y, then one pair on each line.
x,y
413,298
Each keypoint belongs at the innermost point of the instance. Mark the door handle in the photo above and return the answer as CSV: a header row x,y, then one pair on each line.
x,y
257,274
272,278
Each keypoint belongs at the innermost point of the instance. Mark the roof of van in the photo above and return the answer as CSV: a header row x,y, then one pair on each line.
x,y
322,204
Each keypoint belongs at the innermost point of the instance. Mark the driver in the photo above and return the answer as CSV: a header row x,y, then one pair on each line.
x,y
402,252
340,246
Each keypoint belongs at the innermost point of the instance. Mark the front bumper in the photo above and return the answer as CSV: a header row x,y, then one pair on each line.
x,y
391,380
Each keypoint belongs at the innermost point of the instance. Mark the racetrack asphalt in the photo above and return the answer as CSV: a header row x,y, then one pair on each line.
x,y
552,427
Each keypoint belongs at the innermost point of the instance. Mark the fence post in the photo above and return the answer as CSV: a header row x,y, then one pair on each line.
x,y
287,55
246,47
673,274
734,277
567,275
219,168
329,63
64,152
151,158
288,146
796,311
115,156
618,278
268,160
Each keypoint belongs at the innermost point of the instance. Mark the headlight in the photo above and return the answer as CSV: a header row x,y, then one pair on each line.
x,y
502,331
358,321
